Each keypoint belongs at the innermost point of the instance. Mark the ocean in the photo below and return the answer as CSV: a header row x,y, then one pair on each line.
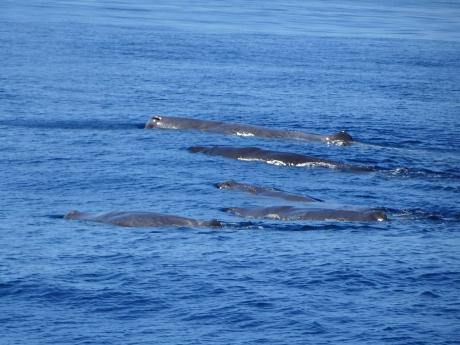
x,y
78,81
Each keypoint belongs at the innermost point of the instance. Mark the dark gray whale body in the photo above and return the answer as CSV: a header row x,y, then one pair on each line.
x,y
275,157
314,214
140,219
173,122
274,193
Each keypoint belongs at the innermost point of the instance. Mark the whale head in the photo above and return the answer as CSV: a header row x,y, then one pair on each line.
x,y
74,215
154,121
226,185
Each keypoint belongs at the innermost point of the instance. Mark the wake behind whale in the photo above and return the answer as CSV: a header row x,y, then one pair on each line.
x,y
72,124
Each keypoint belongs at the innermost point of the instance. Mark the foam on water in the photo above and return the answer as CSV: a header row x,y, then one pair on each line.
x,y
244,134
316,164
273,161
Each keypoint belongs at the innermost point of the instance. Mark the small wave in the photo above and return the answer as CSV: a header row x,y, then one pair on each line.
x,y
392,146
421,214
409,172
399,146
439,276
429,294
399,171
243,225
307,226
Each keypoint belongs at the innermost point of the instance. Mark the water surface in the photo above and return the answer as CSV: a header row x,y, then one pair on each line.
x,y
78,79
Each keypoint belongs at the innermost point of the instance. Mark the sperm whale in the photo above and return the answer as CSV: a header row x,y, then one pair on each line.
x,y
140,219
174,122
269,192
275,157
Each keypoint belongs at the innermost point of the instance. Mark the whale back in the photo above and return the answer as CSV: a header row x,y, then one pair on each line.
x,y
342,137
245,130
141,219
267,156
268,192
313,214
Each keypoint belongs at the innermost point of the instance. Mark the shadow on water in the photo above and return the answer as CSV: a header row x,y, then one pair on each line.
x,y
55,216
73,124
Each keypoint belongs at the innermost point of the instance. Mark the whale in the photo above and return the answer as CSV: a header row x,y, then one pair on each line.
x,y
175,122
140,219
290,213
279,158
263,191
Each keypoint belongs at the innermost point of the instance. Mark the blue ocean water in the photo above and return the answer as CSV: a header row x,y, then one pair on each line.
x,y
78,79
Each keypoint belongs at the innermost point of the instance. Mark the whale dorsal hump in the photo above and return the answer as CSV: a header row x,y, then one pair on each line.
x,y
342,136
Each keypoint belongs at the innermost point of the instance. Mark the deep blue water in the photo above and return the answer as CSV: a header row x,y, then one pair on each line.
x,y
77,78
